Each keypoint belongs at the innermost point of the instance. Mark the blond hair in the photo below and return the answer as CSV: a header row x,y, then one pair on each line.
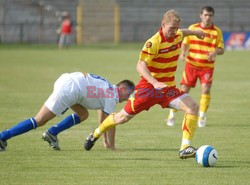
x,y
171,16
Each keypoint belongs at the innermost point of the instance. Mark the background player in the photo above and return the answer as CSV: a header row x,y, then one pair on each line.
x,y
200,61
78,91
157,66
65,31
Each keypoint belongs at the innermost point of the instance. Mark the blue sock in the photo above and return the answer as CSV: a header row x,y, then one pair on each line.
x,y
18,129
68,122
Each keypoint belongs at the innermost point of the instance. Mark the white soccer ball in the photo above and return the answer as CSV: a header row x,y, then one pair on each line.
x,y
206,156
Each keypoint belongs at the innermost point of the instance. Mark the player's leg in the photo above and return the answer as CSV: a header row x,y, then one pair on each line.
x,y
64,95
111,138
71,120
171,117
137,103
188,80
185,88
204,104
189,123
62,40
43,116
68,40
206,77
170,121
51,134
110,122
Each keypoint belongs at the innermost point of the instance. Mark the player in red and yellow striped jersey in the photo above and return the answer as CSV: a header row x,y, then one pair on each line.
x,y
200,61
157,66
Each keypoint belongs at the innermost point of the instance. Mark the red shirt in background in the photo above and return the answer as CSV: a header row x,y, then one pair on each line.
x,y
66,27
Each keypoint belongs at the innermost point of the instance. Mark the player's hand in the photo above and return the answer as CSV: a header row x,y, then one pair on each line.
x,y
106,144
212,56
200,34
159,85
182,57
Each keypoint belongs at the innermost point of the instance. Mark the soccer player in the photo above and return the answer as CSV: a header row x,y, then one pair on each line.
x,y
78,91
157,66
200,61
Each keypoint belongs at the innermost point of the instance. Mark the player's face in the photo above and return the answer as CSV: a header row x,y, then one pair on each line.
x,y
124,93
207,18
170,29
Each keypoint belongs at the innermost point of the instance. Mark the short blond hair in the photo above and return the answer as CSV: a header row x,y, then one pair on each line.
x,y
171,16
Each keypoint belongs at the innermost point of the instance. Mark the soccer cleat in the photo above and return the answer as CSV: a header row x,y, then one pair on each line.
x,y
188,152
170,121
3,145
202,122
52,140
90,141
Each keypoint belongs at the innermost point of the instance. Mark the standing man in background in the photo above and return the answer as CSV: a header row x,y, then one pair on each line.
x,y
65,32
200,61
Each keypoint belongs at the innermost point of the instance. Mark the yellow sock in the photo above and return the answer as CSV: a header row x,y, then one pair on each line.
x,y
188,128
107,124
204,102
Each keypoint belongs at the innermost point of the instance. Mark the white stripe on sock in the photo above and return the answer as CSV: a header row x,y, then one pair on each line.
x,y
98,131
73,118
202,114
34,125
185,142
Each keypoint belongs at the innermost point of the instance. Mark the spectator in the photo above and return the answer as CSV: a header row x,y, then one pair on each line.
x,y
65,31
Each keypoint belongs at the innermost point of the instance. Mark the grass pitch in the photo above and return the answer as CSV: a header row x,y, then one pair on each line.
x,y
146,148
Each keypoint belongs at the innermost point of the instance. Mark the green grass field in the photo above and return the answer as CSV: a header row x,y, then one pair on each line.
x,y
147,148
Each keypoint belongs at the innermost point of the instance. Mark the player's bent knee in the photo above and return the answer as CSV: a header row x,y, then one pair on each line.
x,y
193,109
83,116
121,118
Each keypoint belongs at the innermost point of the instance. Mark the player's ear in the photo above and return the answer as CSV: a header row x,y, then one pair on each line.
x,y
163,23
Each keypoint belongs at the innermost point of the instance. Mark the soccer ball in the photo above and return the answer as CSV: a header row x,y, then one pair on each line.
x,y
206,156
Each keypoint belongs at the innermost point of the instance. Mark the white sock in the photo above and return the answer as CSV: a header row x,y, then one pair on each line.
x,y
171,113
202,114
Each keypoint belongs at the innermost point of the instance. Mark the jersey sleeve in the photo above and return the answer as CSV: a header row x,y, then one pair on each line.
x,y
220,41
186,40
109,106
149,51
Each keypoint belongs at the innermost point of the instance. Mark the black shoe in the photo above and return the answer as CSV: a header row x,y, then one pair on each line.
x,y
90,141
3,145
188,152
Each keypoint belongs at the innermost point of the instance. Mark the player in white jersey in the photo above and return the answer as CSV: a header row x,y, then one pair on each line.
x,y
78,91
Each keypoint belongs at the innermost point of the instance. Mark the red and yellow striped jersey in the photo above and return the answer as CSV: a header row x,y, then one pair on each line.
x,y
161,55
199,49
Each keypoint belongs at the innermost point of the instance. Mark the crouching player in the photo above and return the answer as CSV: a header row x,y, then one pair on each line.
x,y
80,92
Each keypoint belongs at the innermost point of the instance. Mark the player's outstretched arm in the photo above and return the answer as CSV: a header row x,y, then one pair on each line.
x,y
184,48
109,136
198,33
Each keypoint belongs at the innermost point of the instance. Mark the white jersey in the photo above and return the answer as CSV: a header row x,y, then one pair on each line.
x,y
90,91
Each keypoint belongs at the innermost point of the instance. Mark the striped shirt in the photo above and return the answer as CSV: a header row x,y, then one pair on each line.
x,y
199,49
161,55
